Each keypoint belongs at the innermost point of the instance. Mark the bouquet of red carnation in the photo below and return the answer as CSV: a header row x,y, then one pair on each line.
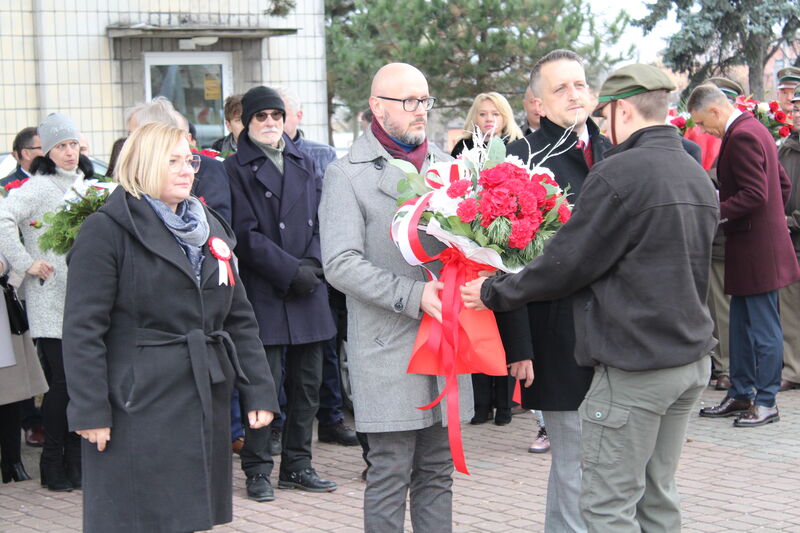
x,y
769,114
490,207
492,212
680,119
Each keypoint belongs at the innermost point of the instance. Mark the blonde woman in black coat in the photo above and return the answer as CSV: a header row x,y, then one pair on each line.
x,y
157,329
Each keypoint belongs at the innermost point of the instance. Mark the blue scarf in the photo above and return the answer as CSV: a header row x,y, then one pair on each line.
x,y
187,224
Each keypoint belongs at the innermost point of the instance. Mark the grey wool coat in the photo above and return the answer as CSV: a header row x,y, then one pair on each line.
x,y
383,292
153,353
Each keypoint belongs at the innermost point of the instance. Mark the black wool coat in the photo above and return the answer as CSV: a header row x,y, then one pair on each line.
x,y
559,383
276,225
211,186
153,353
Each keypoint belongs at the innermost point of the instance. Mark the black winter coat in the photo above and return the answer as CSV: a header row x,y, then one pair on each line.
x,y
153,354
211,186
276,225
559,383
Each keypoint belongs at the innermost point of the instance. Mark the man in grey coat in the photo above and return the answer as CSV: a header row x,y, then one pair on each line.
x,y
386,297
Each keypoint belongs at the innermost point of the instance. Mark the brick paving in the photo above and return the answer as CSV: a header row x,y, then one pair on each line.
x,y
732,480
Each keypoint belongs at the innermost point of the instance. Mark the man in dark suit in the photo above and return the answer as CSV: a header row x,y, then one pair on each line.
x,y
759,256
563,100
275,194
25,148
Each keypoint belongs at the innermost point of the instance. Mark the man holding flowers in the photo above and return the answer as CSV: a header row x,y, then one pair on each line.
x,y
386,297
636,255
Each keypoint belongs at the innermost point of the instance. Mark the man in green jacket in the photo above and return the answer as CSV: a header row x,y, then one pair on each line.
x,y
637,259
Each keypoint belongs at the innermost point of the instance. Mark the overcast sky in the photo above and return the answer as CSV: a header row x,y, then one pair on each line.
x,y
647,47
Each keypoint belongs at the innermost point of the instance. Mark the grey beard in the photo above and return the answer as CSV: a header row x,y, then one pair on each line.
x,y
412,139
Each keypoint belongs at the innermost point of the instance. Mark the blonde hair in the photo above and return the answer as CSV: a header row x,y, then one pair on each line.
x,y
144,159
510,128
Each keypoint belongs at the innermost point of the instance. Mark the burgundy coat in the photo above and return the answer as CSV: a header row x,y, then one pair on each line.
x,y
754,188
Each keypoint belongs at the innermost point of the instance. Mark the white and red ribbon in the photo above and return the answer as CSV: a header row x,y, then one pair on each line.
x,y
222,252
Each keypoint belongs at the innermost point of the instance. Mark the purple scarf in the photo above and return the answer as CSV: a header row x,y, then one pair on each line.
x,y
416,156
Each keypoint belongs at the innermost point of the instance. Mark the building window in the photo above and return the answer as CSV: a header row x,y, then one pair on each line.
x,y
196,83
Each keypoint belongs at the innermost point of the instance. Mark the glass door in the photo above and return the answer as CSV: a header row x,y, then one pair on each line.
x,y
196,83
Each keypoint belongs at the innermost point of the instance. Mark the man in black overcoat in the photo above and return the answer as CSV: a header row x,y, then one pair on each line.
x,y
275,194
564,100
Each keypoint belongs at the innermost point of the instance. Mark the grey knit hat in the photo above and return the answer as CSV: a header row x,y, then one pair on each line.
x,y
55,129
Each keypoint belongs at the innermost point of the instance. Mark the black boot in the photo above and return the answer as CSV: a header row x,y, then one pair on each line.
x,y
54,475
14,472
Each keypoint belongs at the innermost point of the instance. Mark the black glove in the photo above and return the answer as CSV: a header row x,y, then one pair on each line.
x,y
305,280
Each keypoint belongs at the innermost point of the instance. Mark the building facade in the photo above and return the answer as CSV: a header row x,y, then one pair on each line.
x,y
92,59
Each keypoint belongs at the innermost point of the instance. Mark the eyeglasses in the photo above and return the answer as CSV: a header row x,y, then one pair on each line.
x,y
261,116
31,147
411,104
176,163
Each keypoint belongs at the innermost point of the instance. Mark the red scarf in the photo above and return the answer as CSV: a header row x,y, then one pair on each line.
x,y
416,156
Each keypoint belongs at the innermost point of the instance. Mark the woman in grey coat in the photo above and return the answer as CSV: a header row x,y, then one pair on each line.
x,y
21,378
44,286
157,329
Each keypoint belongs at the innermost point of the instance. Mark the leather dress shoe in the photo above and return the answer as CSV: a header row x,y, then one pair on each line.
x,y
788,385
728,407
274,442
541,444
306,479
758,415
337,433
35,436
502,416
723,383
482,415
237,445
259,488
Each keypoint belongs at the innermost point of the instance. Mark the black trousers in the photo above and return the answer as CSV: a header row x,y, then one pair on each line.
x,y
303,378
10,447
492,391
59,442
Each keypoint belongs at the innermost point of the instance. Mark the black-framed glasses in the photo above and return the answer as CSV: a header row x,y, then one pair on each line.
x,y
193,162
261,116
31,147
411,104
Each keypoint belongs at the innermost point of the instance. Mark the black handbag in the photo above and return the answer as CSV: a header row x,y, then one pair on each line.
x,y
17,318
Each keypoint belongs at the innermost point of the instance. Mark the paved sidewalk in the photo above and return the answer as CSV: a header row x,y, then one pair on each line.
x,y
732,480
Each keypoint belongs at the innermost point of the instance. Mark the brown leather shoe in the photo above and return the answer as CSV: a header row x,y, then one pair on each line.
x,y
758,415
728,407
788,385
723,383
237,445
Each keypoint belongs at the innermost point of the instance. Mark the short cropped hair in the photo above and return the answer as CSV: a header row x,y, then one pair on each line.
x,y
23,139
159,109
144,159
704,95
652,105
233,107
555,55
289,98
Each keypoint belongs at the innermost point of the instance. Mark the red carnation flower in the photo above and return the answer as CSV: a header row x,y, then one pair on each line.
x,y
521,233
679,122
773,106
564,212
785,131
458,188
467,210
780,116
497,203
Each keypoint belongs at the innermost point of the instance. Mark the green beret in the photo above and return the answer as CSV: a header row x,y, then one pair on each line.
x,y
729,87
788,77
631,80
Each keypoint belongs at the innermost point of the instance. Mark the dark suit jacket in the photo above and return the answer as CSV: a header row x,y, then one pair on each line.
x,y
275,222
211,185
559,383
754,188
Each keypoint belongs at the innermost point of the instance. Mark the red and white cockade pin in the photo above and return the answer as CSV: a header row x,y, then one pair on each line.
x,y
222,252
